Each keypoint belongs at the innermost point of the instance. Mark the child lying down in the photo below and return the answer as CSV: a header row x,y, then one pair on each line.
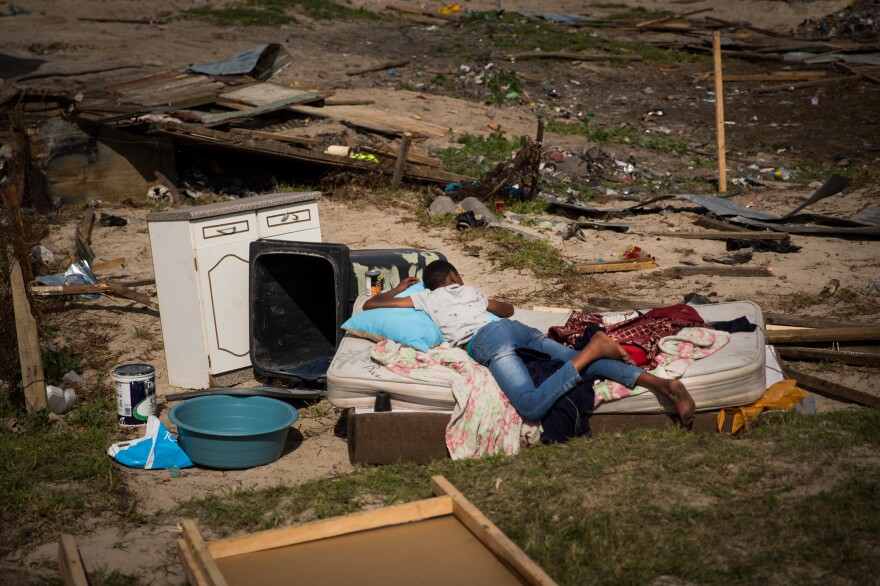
x,y
460,313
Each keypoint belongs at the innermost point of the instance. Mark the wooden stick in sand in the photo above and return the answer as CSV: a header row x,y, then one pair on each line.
x,y
719,112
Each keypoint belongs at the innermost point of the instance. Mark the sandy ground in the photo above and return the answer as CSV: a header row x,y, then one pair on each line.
x,y
315,448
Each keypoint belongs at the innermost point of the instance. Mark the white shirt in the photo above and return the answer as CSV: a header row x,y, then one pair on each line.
x,y
458,310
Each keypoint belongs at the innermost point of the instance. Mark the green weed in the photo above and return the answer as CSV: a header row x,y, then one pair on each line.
x,y
52,475
500,82
273,12
517,252
143,334
684,251
477,155
631,507
529,206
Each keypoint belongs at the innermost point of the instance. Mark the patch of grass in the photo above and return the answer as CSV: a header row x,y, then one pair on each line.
x,y
861,175
500,82
246,13
517,252
684,251
143,334
53,475
627,508
273,12
57,363
656,142
598,135
477,154
530,206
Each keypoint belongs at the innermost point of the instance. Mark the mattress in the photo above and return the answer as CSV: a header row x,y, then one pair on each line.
x,y
734,375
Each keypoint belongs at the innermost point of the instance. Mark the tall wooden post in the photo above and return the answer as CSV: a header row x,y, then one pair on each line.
x,y
719,112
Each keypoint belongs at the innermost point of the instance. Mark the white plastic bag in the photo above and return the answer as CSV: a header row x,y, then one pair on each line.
x,y
157,450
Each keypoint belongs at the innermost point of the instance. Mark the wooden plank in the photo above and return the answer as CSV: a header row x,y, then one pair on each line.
x,y
199,552
394,515
212,119
490,535
830,389
805,336
379,67
616,267
194,573
261,94
820,354
88,224
715,271
28,337
345,102
783,319
103,288
857,71
276,136
722,235
411,156
715,224
70,564
719,112
400,166
211,136
375,119
108,264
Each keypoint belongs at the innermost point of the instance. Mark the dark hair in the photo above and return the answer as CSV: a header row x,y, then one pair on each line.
x,y
434,275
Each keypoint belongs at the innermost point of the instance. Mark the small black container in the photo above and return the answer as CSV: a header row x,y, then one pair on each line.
x,y
383,402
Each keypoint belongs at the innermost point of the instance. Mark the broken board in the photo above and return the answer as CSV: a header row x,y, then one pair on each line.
x,y
262,94
375,119
411,543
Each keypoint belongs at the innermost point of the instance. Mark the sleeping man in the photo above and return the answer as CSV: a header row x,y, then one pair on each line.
x,y
460,313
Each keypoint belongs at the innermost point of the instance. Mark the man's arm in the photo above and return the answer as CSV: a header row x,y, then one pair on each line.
x,y
388,299
500,308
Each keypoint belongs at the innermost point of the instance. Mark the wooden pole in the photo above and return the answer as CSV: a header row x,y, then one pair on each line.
x,y
812,336
28,337
401,160
719,112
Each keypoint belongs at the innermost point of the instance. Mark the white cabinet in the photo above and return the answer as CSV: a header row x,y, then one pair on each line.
x,y
201,262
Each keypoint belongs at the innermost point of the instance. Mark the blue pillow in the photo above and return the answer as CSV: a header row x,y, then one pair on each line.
x,y
403,325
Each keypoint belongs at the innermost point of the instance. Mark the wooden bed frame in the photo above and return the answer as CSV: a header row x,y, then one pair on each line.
x,y
439,540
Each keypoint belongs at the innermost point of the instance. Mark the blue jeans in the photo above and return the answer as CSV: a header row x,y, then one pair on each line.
x,y
495,344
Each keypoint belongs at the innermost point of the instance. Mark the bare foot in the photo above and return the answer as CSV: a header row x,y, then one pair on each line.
x,y
683,402
675,391
605,347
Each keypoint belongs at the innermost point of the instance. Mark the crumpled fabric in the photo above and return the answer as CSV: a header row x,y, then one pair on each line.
x,y
483,420
783,395
676,354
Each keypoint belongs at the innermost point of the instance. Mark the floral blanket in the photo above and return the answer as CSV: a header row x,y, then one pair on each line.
x,y
483,421
675,354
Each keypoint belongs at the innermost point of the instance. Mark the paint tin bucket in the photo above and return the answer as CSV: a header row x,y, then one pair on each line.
x,y
372,282
135,393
